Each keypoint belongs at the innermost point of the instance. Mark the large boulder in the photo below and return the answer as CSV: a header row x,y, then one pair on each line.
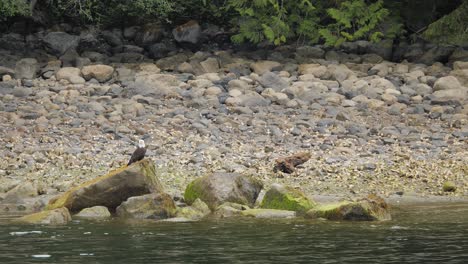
x,y
218,188
189,32
26,69
149,34
157,85
95,212
371,208
286,198
271,80
71,74
102,73
447,83
229,210
112,189
20,192
196,211
57,216
58,43
262,67
151,206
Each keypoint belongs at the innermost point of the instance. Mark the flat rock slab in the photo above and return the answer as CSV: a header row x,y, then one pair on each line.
x,y
57,216
268,213
112,189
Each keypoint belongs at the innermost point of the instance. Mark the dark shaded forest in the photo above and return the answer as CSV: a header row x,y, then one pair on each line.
x,y
273,22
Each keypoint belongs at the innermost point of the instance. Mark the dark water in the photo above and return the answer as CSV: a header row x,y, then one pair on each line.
x,y
429,234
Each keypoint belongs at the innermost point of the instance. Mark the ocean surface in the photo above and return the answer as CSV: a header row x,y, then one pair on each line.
x,y
417,234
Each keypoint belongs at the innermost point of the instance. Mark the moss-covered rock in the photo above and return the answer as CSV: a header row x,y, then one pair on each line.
x,y
229,210
111,189
286,198
57,216
196,211
218,188
150,206
95,212
268,213
449,186
371,208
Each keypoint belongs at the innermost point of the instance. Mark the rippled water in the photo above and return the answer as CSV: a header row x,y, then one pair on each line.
x,y
429,234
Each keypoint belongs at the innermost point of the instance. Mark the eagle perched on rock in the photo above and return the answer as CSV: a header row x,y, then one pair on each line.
x,y
139,153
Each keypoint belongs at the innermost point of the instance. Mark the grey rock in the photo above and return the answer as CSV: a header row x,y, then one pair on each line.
x,y
26,69
188,32
95,212
59,42
271,80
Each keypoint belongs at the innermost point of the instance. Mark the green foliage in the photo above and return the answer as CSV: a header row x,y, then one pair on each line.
x,y
273,21
110,11
10,8
354,20
450,29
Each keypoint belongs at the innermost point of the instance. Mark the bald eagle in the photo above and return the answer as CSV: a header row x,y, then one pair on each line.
x,y
139,153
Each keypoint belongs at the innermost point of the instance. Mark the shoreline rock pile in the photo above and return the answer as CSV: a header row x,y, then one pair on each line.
x,y
135,192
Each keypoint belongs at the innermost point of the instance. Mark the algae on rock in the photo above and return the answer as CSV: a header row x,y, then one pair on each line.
x,y
57,216
218,188
286,198
371,208
112,189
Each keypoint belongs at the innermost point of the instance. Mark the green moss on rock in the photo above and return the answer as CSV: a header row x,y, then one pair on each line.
x,y
112,189
57,216
286,198
371,208
217,188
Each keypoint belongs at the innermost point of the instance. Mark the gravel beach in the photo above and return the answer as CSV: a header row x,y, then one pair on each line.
x,y
370,126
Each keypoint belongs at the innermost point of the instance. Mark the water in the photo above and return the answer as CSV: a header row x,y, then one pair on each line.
x,y
429,234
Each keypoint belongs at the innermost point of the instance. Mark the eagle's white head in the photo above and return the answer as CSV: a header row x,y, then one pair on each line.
x,y
141,143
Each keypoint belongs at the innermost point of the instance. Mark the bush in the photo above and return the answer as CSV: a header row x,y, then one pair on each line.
x,y
354,20
273,20
11,8
110,11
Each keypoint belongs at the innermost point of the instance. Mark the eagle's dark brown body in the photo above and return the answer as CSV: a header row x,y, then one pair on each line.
x,y
138,154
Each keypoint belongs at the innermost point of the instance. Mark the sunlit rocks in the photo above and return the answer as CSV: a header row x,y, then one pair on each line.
x,y
57,216
268,213
150,206
112,189
102,73
95,212
196,211
286,198
371,208
218,188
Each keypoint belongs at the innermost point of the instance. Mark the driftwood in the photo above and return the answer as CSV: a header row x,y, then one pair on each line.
x,y
288,164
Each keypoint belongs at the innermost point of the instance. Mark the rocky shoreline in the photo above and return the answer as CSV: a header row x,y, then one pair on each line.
x,y
370,125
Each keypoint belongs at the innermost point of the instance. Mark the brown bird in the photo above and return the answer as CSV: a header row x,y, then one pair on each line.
x,y
139,153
